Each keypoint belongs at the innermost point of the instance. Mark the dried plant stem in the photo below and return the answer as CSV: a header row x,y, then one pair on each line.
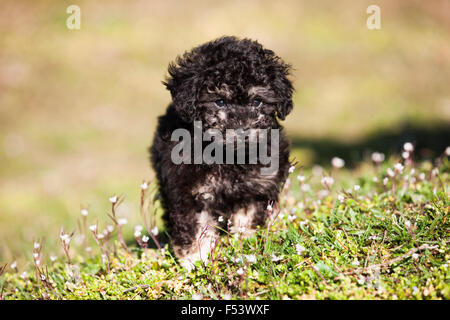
x,y
151,219
102,248
2,269
273,214
390,262
142,286
117,225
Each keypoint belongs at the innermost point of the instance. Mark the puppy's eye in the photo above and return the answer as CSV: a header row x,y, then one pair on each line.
x,y
220,103
256,102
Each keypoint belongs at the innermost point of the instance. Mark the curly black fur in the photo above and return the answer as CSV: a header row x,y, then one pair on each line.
x,y
236,71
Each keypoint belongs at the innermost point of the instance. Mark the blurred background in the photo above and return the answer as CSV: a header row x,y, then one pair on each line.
x,y
78,108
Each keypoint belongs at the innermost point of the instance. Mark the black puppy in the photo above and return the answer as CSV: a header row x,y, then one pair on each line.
x,y
224,84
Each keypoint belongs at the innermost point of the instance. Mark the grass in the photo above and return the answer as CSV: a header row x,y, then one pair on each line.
x,y
78,108
377,232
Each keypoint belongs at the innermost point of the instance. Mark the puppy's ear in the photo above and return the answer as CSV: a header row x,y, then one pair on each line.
x,y
283,88
184,88
184,97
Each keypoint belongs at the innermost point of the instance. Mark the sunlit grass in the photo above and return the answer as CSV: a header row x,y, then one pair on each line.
x,y
83,104
374,232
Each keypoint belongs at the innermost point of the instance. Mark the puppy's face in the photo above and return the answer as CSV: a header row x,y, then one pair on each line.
x,y
229,84
221,108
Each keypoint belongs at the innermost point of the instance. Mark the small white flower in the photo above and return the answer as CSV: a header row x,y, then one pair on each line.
x,y
408,146
36,245
53,258
113,199
355,262
415,256
412,172
390,172
197,296
138,228
405,155
447,151
155,231
145,238
291,169
104,257
122,221
93,227
291,217
303,223
236,260
275,258
240,271
341,198
356,187
35,255
327,182
24,275
301,178
337,162
300,249
100,236
435,172
375,179
38,262
378,157
305,187
110,228
42,277
242,229
84,212
422,176
226,296
385,180
408,224
64,237
398,167
137,234
415,290
251,258
144,186
220,219
269,208
88,249
361,280
13,265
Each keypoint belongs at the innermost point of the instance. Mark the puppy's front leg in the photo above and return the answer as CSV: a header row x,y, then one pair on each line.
x,y
201,244
245,220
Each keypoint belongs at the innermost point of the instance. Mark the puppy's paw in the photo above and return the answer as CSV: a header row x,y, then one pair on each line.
x,y
187,264
188,261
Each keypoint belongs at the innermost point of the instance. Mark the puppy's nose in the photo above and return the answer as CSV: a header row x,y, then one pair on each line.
x,y
211,120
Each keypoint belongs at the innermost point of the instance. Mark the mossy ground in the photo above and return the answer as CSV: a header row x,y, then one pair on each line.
x,y
386,238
